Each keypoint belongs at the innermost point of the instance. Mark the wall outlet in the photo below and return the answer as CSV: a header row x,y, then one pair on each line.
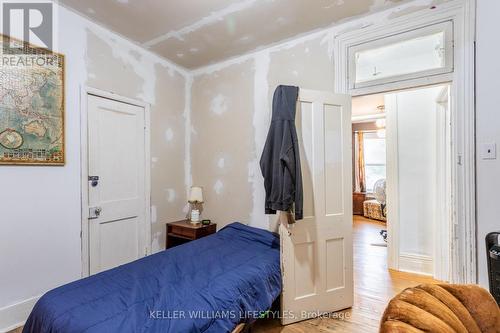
x,y
488,151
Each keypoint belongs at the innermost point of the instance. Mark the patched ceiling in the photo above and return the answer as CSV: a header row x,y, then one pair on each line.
x,y
195,33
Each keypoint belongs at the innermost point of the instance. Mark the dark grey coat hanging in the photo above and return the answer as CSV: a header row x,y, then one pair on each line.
x,y
280,161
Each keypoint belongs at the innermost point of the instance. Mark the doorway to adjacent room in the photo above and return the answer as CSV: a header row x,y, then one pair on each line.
x,y
402,177
429,54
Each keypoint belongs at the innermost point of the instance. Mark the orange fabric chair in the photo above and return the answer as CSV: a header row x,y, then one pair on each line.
x,y
442,308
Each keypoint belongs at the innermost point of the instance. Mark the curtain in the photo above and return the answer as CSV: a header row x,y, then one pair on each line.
x,y
359,163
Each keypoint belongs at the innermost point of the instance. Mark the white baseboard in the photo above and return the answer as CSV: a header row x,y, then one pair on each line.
x,y
416,263
15,315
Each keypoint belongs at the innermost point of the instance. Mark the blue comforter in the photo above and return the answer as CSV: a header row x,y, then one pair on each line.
x,y
209,285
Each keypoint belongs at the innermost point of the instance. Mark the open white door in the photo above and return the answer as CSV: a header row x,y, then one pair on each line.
x,y
317,252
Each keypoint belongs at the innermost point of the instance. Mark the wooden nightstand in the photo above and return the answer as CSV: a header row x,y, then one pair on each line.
x,y
181,232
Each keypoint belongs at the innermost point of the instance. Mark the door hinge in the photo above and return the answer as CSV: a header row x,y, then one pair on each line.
x,y
455,231
94,180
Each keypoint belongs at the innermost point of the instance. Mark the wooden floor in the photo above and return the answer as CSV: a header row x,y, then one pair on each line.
x,y
374,286
17,330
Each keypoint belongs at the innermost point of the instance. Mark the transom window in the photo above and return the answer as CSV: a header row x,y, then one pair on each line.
x,y
413,54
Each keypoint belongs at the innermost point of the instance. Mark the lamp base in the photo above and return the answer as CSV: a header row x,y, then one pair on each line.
x,y
195,215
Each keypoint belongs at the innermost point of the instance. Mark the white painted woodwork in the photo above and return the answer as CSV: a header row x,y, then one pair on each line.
x,y
317,251
447,223
116,153
462,14
420,61
392,181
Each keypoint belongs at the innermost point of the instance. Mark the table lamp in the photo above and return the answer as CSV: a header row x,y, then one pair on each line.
x,y
196,202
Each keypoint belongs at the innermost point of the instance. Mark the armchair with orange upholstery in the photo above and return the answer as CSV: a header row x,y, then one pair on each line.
x,y
442,308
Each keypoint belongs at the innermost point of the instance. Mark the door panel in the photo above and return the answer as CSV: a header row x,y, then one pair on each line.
x,y
305,265
124,236
333,160
335,264
116,154
317,251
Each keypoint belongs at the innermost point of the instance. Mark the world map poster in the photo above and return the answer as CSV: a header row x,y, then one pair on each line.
x,y
31,105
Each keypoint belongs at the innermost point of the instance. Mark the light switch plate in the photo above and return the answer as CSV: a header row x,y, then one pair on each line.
x,y
488,151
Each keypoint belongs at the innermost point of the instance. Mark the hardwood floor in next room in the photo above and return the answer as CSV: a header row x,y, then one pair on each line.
x,y
374,286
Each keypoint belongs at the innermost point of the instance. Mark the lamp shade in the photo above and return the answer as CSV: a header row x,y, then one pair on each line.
x,y
196,195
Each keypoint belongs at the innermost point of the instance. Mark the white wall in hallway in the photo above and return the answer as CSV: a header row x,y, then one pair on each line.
x,y
417,164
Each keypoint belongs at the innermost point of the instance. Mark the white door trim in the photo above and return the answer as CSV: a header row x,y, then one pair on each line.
x,y
462,13
392,179
84,92
442,232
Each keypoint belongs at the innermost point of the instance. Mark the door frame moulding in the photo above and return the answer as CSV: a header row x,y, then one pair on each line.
x,y
462,14
443,255
86,91
392,169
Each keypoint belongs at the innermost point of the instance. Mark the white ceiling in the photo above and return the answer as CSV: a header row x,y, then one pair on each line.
x,y
195,33
367,105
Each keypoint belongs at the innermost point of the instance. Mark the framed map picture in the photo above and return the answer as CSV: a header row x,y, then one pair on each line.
x,y
31,105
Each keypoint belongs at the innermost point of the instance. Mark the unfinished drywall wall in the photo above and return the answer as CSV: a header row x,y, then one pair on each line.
x,y
222,141
148,78
40,244
235,97
168,187
231,112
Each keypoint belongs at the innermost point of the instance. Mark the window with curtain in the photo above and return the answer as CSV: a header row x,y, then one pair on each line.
x,y
375,158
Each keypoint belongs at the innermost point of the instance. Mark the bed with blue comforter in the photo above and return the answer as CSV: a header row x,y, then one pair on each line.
x,y
208,285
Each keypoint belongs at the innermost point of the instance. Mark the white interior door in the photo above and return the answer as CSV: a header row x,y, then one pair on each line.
x,y
317,251
116,155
